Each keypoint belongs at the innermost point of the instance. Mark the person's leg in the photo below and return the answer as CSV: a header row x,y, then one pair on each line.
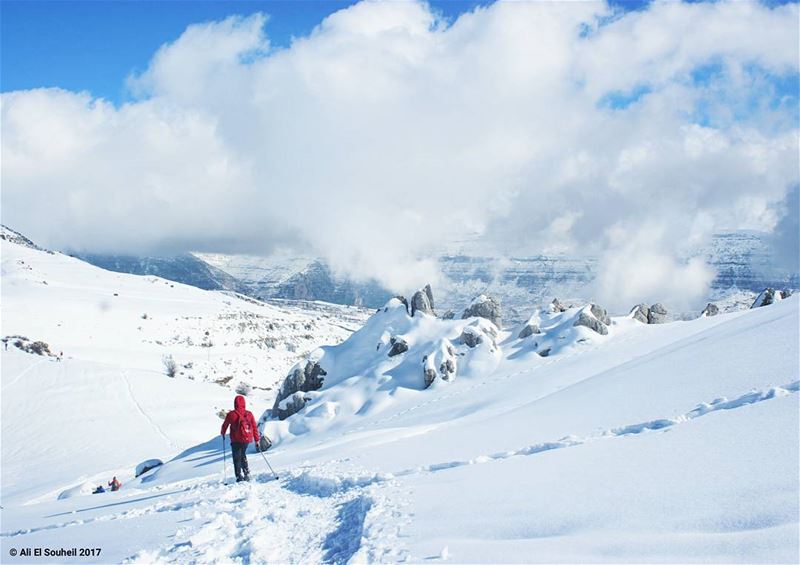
x,y
236,452
245,466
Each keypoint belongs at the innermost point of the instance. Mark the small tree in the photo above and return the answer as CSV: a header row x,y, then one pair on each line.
x,y
170,367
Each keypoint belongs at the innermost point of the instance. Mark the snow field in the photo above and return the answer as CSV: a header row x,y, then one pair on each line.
x,y
668,443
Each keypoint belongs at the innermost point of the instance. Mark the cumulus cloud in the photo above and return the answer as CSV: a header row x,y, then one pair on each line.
x,y
388,131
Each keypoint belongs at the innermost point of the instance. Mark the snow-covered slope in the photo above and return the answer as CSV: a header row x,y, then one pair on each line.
x,y
671,442
185,268
101,399
92,314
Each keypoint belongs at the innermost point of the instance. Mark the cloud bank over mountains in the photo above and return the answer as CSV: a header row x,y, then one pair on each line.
x,y
540,126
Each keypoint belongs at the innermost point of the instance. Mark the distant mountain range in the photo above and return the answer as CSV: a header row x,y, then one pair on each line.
x,y
742,260
186,268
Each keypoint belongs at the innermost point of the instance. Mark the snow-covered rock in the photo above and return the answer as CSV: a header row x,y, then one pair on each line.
x,y
440,363
422,301
478,332
399,345
657,314
532,325
556,306
588,320
147,465
11,236
770,296
78,490
641,313
484,307
600,313
303,377
711,309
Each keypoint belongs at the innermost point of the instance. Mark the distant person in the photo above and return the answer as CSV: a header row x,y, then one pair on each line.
x,y
243,431
115,484
99,490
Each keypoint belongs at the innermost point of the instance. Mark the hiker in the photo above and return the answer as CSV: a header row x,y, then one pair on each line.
x,y
115,484
99,490
243,431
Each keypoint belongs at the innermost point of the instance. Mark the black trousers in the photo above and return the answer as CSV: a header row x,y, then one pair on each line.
x,y
240,461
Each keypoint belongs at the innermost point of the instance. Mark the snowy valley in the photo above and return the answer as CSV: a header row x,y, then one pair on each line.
x,y
400,435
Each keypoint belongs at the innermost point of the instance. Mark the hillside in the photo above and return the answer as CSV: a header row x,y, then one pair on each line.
x,y
654,442
106,336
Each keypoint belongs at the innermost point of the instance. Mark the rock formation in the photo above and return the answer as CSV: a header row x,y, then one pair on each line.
x,y
302,378
484,307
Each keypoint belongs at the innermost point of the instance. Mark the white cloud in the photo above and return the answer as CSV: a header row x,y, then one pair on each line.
x,y
386,131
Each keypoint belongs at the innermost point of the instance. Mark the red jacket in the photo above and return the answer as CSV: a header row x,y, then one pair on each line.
x,y
240,433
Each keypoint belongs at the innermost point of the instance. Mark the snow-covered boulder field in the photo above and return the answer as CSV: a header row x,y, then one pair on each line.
x,y
576,436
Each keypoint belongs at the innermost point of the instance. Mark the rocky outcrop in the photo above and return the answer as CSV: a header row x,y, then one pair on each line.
x,y
595,318
657,314
441,363
528,330
710,310
600,313
422,301
478,332
556,306
399,345
591,322
289,406
147,465
770,296
484,307
640,312
302,378
470,337
449,315
401,299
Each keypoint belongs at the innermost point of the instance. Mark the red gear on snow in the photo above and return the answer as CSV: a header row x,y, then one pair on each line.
x,y
238,434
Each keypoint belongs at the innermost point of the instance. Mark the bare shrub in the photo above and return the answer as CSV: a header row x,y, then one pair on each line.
x,y
170,367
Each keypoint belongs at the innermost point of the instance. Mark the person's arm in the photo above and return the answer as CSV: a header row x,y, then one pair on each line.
x,y
256,437
225,424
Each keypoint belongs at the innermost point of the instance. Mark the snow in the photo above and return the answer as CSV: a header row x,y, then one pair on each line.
x,y
148,465
675,442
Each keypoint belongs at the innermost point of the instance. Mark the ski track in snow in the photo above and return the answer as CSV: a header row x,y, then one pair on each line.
x,y
23,373
141,411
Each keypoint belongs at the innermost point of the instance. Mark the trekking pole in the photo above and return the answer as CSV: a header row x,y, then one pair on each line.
x,y
224,465
267,462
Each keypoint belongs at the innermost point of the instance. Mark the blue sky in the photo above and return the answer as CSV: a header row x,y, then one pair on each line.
x,y
94,45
